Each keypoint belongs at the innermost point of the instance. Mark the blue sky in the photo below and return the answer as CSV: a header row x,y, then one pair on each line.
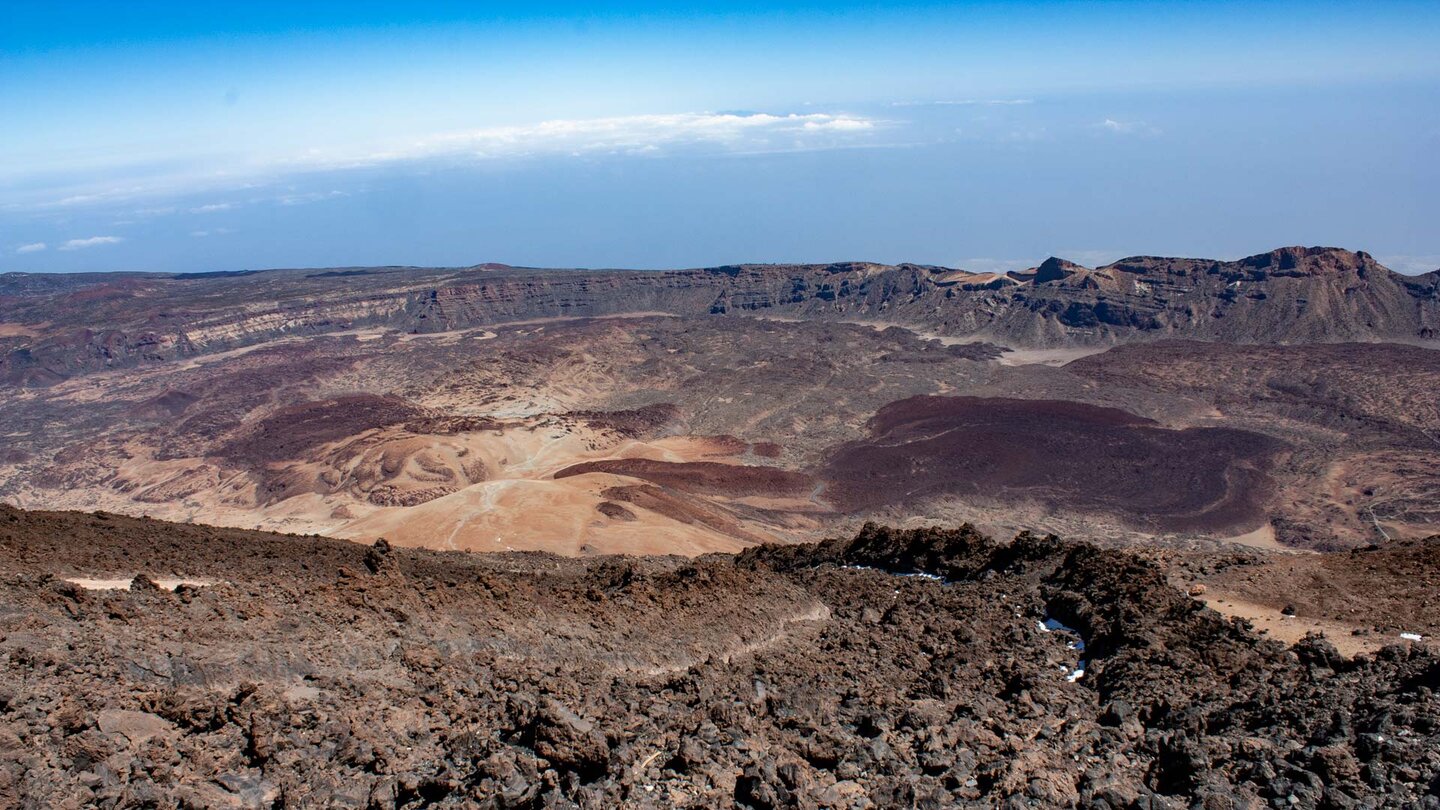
x,y
208,136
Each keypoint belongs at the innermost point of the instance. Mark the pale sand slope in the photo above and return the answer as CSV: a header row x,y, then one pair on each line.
x,y
524,515
1290,629
1264,538
518,505
524,508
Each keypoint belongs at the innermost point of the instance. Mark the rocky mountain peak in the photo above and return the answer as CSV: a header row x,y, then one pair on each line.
x,y
1298,260
1054,269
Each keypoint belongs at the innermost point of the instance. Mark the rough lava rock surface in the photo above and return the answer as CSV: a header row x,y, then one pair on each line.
x,y
929,668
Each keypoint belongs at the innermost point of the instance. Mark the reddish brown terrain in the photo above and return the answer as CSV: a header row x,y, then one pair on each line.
x,y
1243,459
705,477
706,410
1066,456
298,671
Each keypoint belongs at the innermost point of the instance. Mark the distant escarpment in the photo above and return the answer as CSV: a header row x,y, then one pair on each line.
x,y
57,329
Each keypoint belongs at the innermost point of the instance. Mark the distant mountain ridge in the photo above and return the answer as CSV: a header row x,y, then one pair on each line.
x,y
54,327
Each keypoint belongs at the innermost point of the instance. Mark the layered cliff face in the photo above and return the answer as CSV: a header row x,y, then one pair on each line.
x,y
445,408
51,331
1290,295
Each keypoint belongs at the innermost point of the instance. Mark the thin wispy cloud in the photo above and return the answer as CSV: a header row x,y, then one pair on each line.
x,y
306,199
1091,257
841,125
1119,127
656,135
621,135
1411,264
1086,257
80,199
89,242
966,102
986,264
33,247
211,232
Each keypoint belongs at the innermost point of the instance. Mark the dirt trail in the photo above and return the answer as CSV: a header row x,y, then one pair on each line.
x,y
817,614
1273,623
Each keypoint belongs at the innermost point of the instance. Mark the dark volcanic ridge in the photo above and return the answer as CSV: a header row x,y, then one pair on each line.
x,y
64,326
929,668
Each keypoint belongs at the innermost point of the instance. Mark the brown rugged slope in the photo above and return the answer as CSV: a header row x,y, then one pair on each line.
x,y
453,440
316,673
59,329
1378,589
1071,457
1363,422
325,432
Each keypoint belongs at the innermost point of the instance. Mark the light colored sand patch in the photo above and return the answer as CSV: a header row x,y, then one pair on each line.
x,y
525,515
681,448
17,330
1048,357
454,335
518,465
301,693
445,338
1264,538
815,614
101,584
649,313
1014,357
230,354
168,583
1291,629
778,504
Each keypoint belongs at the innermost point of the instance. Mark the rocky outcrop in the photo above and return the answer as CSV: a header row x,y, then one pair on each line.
x,y
929,668
1054,269
1287,295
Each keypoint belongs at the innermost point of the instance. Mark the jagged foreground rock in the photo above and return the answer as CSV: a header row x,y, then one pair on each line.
x,y
318,673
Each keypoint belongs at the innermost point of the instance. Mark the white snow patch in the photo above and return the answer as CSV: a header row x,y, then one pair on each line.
x,y
1412,637
912,575
1051,625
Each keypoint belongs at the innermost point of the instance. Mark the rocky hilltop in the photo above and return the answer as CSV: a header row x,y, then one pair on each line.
x,y
52,328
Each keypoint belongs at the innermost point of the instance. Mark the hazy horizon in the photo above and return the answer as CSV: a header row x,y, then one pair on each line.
x,y
976,265
171,137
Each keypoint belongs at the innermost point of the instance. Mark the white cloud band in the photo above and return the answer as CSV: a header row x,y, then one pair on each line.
x,y
633,134
93,241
